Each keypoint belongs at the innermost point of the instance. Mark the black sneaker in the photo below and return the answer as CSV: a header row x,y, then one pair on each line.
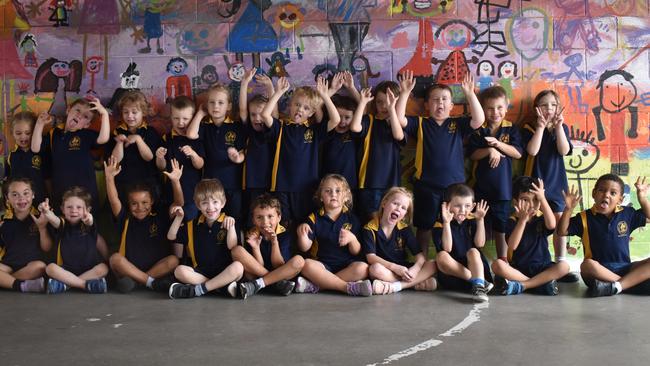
x,y
248,289
570,277
548,289
125,285
283,287
479,293
500,285
161,284
181,291
601,288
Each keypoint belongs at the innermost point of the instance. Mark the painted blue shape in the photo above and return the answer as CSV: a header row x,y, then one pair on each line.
x,y
252,34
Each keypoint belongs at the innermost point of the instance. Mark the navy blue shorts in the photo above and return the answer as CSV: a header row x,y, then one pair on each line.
x,y
498,215
426,207
337,267
15,266
211,271
620,269
296,206
368,202
233,205
556,206
80,269
532,269
457,284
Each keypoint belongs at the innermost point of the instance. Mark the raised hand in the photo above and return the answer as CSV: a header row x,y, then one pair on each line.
x,y
161,152
176,211
406,82
87,218
322,86
365,96
524,210
96,105
113,168
177,171
346,237
282,85
542,122
468,83
44,207
538,190
391,98
481,210
254,239
641,187
348,80
248,75
337,82
445,213
45,119
228,223
41,221
572,197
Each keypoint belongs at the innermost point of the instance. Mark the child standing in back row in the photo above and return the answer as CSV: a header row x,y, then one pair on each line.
x,y
439,154
547,143
492,148
22,162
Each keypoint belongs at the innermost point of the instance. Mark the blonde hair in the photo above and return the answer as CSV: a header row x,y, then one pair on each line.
x,y
24,116
135,97
408,218
310,93
347,201
209,188
544,93
218,87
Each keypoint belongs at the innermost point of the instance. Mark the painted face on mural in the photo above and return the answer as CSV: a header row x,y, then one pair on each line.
x,y
290,16
177,68
584,157
485,69
129,81
529,32
617,93
236,71
508,70
456,36
93,65
60,69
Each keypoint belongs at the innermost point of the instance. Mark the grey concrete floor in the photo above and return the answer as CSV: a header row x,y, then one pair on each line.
x,y
145,328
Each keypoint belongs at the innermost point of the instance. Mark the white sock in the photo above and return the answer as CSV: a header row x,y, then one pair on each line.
x,y
260,283
397,286
149,281
619,289
559,258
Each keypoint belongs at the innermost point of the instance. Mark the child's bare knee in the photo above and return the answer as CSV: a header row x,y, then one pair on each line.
x,y
297,263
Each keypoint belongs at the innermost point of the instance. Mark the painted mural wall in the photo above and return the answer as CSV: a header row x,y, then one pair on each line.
x,y
594,53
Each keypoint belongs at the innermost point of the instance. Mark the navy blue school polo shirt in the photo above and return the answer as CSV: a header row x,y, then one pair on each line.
x,y
295,162
494,184
380,166
548,164
607,240
340,156
72,163
20,240
462,236
439,154
77,247
191,176
284,242
205,246
26,164
216,141
144,242
533,247
259,160
134,168
325,236
393,249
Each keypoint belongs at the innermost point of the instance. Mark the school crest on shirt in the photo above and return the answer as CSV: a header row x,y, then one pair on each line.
x,y
153,230
346,137
621,227
400,243
33,229
221,236
505,138
231,136
347,226
75,143
452,127
309,136
36,162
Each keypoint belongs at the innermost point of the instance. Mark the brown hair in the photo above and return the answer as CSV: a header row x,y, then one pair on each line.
x,y
183,102
24,116
493,92
218,87
80,193
266,201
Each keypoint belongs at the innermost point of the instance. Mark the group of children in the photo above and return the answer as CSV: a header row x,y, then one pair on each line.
x,y
219,204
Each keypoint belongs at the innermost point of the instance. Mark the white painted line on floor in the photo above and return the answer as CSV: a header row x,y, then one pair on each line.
x,y
473,317
93,319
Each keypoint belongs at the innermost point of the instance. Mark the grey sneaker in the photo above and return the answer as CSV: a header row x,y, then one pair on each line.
x,y
181,291
125,285
360,288
283,287
248,289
